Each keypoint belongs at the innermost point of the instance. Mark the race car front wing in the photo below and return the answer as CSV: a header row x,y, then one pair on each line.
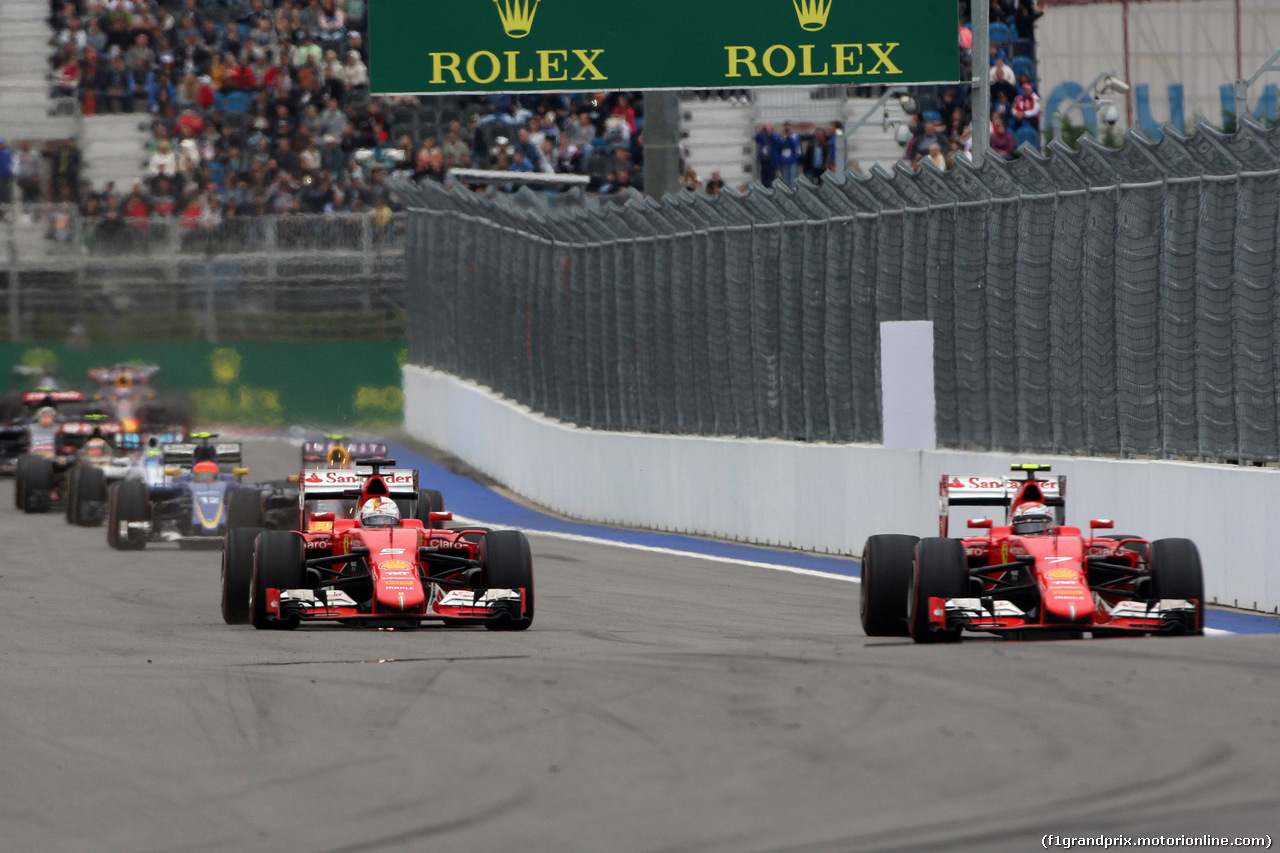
x,y
1166,615
331,605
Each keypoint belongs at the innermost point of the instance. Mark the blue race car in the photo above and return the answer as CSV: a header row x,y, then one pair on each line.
x,y
190,500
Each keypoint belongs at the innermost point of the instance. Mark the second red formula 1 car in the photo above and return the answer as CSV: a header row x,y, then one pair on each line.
x,y
1030,576
363,558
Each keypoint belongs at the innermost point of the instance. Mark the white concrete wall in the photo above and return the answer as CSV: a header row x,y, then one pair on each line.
x,y
831,497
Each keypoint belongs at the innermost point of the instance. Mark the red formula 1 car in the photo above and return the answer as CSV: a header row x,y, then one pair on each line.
x,y
1031,576
362,558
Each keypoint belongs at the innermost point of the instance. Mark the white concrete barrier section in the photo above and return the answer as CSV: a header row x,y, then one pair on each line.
x,y
831,497
907,400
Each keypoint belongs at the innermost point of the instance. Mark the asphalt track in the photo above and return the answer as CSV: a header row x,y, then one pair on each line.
x,y
660,703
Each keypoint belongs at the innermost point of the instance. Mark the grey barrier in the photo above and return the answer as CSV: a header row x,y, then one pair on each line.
x,y
1115,302
243,276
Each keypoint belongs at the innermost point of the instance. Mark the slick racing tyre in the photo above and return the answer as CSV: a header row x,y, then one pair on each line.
x,y
244,508
87,494
279,562
429,501
20,481
1176,573
237,573
508,564
37,482
127,501
941,570
73,479
886,583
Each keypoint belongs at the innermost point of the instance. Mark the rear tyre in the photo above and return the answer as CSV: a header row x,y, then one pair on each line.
x,y
1176,572
941,570
886,583
244,509
279,562
37,483
20,481
237,573
73,480
89,492
508,564
429,501
128,502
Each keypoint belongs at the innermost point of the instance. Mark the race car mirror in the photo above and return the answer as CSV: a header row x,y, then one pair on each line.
x,y
1101,523
980,522
441,516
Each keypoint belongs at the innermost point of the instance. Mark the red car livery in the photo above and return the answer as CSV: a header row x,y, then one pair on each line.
x,y
337,569
1031,576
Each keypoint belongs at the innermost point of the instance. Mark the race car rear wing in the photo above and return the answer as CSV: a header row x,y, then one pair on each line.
x,y
315,483
319,451
999,491
36,398
228,453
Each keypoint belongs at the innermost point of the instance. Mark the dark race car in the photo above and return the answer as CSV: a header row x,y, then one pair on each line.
x,y
1031,576
377,566
193,502
337,451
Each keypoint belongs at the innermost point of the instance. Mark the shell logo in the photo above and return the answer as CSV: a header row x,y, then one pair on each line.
x,y
1057,574
394,564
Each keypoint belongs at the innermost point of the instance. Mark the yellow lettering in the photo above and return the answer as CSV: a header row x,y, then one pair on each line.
x,y
440,65
589,64
747,58
882,58
512,58
844,55
494,63
807,51
768,62
550,65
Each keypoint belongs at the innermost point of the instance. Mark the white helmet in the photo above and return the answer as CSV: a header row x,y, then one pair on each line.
x,y
1031,518
380,512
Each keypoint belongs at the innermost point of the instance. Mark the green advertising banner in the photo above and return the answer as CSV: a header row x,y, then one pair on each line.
x,y
250,384
584,45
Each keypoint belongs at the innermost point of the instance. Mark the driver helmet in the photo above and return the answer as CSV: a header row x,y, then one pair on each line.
x,y
46,415
1031,518
95,448
204,472
380,512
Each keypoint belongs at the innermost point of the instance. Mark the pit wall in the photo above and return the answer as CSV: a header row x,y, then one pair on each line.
x,y
831,497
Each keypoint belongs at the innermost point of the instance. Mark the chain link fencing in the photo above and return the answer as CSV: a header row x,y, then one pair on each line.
x,y
269,277
1092,302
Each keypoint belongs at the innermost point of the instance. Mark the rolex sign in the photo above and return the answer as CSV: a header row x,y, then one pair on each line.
x,y
419,47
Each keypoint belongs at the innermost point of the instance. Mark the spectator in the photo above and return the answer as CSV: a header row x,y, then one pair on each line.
x,y
1002,78
27,172
814,156
766,154
1026,108
163,162
788,154
8,168
1002,141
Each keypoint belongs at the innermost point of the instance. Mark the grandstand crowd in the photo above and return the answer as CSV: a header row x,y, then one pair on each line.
x,y
263,107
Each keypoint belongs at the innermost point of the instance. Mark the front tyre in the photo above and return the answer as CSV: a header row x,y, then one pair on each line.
x,y
886,583
1176,572
508,564
244,509
429,501
36,484
128,503
90,491
237,573
279,562
941,570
